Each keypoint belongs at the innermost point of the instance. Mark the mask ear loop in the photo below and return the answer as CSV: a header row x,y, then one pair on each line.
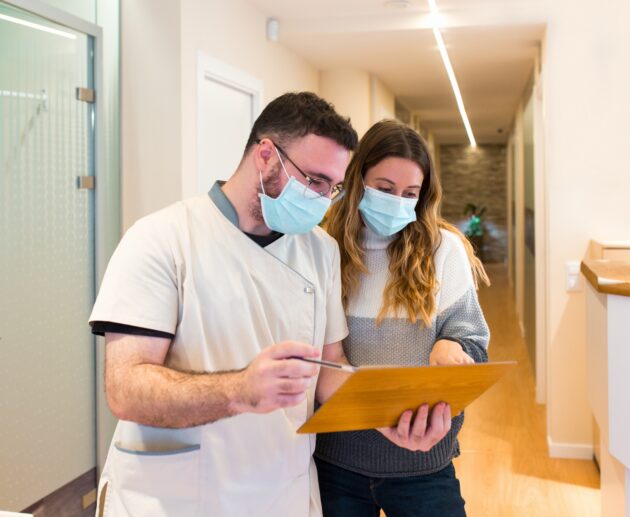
x,y
262,186
260,175
261,182
282,162
365,187
286,173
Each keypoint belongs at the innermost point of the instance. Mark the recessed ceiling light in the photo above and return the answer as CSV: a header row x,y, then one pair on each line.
x,y
398,4
435,16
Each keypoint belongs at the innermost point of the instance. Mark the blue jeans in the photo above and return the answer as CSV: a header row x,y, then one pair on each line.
x,y
348,494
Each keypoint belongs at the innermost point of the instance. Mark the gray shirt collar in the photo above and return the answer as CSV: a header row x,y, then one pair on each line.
x,y
223,203
219,198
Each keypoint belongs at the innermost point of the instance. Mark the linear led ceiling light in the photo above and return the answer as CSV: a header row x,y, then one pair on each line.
x,y
449,70
38,27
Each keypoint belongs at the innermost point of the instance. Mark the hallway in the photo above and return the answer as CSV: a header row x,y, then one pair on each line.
x,y
504,467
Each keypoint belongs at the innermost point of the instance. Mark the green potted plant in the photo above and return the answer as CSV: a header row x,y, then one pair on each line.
x,y
474,227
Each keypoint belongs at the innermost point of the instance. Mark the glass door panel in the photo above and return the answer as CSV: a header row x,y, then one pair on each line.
x,y
47,385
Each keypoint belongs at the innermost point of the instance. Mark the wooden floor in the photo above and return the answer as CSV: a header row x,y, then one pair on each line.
x,y
504,467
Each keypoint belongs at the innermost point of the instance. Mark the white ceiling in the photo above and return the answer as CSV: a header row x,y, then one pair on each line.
x,y
492,45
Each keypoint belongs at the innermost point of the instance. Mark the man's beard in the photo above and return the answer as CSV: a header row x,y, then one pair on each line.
x,y
273,188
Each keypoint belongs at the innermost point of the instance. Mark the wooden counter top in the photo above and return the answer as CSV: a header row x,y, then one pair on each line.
x,y
608,276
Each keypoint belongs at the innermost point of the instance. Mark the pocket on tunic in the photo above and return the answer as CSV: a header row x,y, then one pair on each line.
x,y
155,483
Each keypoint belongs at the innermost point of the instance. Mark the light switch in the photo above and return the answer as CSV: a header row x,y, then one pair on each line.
x,y
573,280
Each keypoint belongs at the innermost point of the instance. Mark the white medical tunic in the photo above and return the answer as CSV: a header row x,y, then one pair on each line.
x,y
188,270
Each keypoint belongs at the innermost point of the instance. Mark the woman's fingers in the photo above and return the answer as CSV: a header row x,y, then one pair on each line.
x,y
404,423
420,423
446,418
422,432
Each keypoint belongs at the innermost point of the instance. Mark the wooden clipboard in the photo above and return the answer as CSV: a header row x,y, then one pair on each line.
x,y
376,396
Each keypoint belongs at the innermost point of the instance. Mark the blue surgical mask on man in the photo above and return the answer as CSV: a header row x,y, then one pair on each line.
x,y
386,214
297,209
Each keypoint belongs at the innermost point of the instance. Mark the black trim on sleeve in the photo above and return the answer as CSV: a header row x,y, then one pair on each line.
x,y
100,327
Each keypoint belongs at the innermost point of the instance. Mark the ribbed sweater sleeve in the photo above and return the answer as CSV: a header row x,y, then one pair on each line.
x,y
459,316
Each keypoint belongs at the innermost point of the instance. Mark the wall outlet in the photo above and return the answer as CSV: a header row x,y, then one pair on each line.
x,y
572,277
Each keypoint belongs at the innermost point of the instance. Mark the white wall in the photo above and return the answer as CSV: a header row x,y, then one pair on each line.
x,y
234,33
160,40
84,9
349,91
518,162
432,143
529,205
108,214
584,190
382,101
587,109
359,95
151,106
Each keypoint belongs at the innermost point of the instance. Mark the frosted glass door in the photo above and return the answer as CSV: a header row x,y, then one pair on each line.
x,y
47,384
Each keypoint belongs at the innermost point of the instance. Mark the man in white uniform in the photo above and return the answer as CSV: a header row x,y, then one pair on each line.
x,y
204,306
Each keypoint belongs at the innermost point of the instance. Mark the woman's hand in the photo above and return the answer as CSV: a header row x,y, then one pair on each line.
x,y
446,352
421,435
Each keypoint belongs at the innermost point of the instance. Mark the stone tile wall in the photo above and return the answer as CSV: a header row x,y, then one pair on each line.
x,y
478,176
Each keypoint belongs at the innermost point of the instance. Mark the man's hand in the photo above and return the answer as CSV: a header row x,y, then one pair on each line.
x,y
273,380
447,352
419,436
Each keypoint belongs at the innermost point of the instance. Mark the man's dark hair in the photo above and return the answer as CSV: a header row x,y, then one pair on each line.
x,y
295,115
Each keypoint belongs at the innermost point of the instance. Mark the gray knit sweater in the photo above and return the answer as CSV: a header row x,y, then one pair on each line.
x,y
397,341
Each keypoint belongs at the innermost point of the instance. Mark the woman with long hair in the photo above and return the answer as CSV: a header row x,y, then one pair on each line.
x,y
409,283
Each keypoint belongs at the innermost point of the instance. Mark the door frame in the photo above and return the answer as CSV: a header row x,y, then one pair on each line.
x,y
542,246
211,69
106,186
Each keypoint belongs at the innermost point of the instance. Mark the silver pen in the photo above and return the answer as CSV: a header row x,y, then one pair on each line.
x,y
328,364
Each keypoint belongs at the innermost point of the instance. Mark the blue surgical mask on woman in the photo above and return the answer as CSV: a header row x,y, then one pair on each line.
x,y
386,214
296,210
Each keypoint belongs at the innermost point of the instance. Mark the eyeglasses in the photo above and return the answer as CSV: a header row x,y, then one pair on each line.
x,y
318,185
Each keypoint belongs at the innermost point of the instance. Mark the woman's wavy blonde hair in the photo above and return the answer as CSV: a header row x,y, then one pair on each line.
x,y
412,284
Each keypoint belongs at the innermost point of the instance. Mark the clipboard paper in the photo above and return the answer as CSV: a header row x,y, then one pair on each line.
x,y
376,396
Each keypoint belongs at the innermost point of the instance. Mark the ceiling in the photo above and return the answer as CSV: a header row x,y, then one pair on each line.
x,y
492,45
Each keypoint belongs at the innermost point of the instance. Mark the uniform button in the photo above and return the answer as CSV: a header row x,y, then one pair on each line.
x,y
309,290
